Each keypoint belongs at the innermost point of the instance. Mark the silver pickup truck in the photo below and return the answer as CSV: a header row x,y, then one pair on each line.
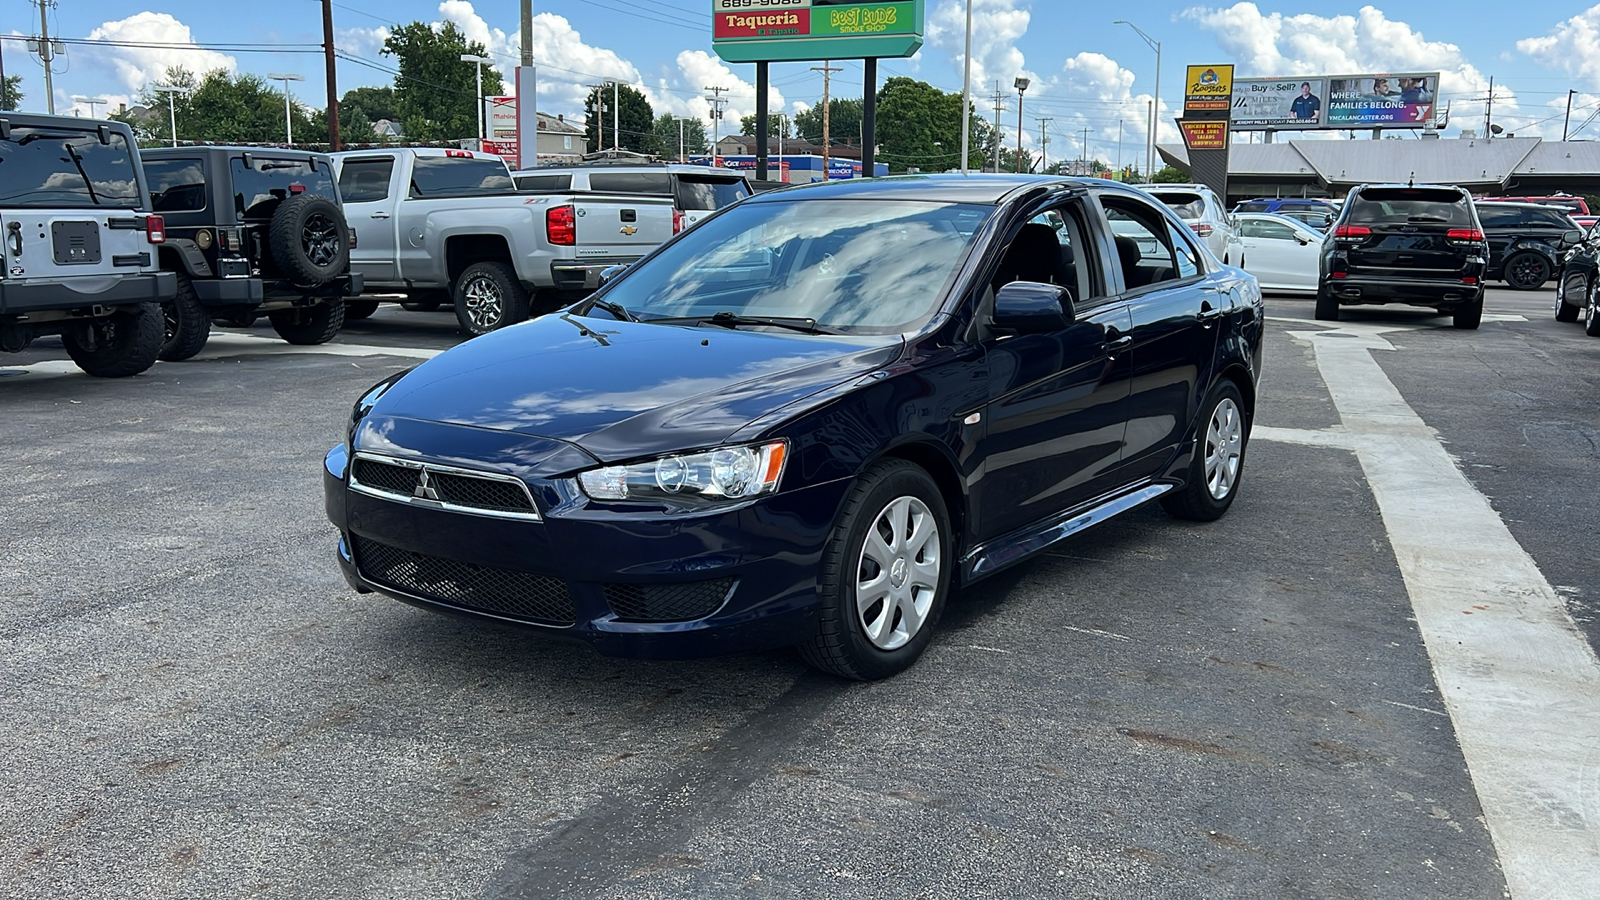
x,y
439,225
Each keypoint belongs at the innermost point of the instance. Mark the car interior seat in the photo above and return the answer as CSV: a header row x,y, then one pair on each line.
x,y
1035,255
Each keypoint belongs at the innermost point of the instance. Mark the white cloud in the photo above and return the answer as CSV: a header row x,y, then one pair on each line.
x,y
997,25
1093,91
141,66
1268,44
1572,46
363,42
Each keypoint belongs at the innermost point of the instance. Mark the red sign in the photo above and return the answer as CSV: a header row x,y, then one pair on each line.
x,y
1205,135
500,148
765,23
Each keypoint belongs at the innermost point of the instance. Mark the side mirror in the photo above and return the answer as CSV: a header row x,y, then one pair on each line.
x,y
1029,307
1572,236
610,273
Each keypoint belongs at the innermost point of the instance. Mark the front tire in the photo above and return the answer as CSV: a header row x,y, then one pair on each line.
x,y
1526,271
119,345
1591,312
1571,285
186,325
1218,460
309,325
489,297
885,575
1327,307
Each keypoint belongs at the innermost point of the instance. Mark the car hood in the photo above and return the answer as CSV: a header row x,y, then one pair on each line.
x,y
622,389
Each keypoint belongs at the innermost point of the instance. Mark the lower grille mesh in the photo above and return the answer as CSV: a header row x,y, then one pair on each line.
x,y
667,602
505,592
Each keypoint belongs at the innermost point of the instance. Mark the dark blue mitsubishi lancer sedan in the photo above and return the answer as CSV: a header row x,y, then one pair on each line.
x,y
809,418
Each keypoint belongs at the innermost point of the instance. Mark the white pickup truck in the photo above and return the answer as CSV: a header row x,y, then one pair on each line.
x,y
438,224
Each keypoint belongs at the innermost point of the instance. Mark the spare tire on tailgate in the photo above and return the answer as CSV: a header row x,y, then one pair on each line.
x,y
309,240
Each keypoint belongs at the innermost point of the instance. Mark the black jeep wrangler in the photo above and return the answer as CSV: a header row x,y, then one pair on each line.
x,y
251,231
79,243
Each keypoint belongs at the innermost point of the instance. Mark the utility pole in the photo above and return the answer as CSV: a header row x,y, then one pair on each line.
x,y
999,107
47,53
527,86
331,76
599,116
716,117
827,71
1119,149
1086,152
616,115
1488,113
966,94
1564,121
1044,143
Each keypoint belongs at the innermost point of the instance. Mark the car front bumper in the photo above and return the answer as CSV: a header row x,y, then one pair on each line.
x,y
746,576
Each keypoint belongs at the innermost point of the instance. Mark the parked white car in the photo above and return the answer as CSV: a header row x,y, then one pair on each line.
x,y
1282,253
1204,212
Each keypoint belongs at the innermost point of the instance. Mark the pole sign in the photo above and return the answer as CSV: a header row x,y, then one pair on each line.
x,y
745,31
1207,105
1323,102
1204,134
1208,89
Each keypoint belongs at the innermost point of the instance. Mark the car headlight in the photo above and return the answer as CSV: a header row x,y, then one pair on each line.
x,y
727,473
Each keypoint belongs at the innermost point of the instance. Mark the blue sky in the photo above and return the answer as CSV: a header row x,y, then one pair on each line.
x,y
1086,71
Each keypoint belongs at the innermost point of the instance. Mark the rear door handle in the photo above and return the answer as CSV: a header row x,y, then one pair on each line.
x,y
1117,345
380,215
1209,313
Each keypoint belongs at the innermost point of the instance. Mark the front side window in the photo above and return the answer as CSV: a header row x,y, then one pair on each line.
x,y
870,267
67,167
176,185
366,180
267,182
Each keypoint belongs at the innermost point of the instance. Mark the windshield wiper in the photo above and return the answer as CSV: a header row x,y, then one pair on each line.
x,y
617,310
78,161
728,319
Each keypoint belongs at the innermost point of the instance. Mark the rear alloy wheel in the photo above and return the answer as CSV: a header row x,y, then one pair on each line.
x,y
885,575
1591,312
309,325
1527,271
1572,285
488,297
1217,463
118,345
186,325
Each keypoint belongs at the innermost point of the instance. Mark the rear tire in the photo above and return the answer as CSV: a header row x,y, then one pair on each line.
x,y
359,309
186,325
1468,315
118,345
1327,307
1217,464
489,297
1591,312
1526,271
885,575
309,325
1570,284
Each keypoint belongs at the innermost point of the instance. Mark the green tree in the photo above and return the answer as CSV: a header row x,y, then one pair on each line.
x,y
775,123
374,102
844,122
221,106
919,126
1170,175
11,92
632,115
694,135
435,92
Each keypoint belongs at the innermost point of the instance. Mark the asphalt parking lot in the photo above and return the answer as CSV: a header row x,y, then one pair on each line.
x,y
1282,704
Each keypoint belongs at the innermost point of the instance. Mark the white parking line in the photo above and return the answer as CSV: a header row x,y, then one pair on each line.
x,y
1521,683
230,345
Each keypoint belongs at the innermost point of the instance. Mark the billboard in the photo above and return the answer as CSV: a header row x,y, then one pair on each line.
x,y
1334,101
1207,88
802,30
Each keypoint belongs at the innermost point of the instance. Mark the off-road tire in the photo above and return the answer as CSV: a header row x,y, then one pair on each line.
x,y
840,644
1222,434
1568,312
309,325
1327,307
359,309
309,240
489,297
186,325
1468,316
119,345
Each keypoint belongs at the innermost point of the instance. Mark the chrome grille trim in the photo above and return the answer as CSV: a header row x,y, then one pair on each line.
x,y
385,492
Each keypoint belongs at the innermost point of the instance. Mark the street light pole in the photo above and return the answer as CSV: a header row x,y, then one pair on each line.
x,y
172,106
288,116
92,101
1155,106
1022,88
966,93
478,63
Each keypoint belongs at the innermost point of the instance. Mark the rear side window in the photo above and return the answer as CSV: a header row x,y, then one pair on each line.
x,y
631,182
1416,206
43,167
176,185
458,176
699,192
258,190
546,184
365,180
1186,205
1498,216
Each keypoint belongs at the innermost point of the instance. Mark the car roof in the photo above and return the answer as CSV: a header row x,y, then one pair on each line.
x,y
1191,187
672,168
1274,217
983,188
1405,187
192,149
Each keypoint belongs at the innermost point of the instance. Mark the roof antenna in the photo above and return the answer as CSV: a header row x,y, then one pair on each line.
x,y
1412,181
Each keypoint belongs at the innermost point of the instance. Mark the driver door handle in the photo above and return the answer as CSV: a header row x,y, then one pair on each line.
x,y
380,215
1118,345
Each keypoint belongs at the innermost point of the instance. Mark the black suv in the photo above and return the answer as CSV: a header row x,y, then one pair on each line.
x,y
79,243
1578,288
251,231
1400,243
1526,241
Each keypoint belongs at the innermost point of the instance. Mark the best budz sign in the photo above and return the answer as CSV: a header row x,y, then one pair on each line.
x,y
800,30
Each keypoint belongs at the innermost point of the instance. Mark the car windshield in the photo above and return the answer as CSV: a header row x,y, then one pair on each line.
x,y
1420,206
879,267
1186,205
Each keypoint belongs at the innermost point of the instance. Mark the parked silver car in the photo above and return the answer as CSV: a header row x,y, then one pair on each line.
x,y
1204,212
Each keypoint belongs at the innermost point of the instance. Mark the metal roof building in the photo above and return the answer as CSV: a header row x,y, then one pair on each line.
x,y
1513,166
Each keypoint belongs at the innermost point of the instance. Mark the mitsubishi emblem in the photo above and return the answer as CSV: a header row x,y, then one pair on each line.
x,y
425,489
